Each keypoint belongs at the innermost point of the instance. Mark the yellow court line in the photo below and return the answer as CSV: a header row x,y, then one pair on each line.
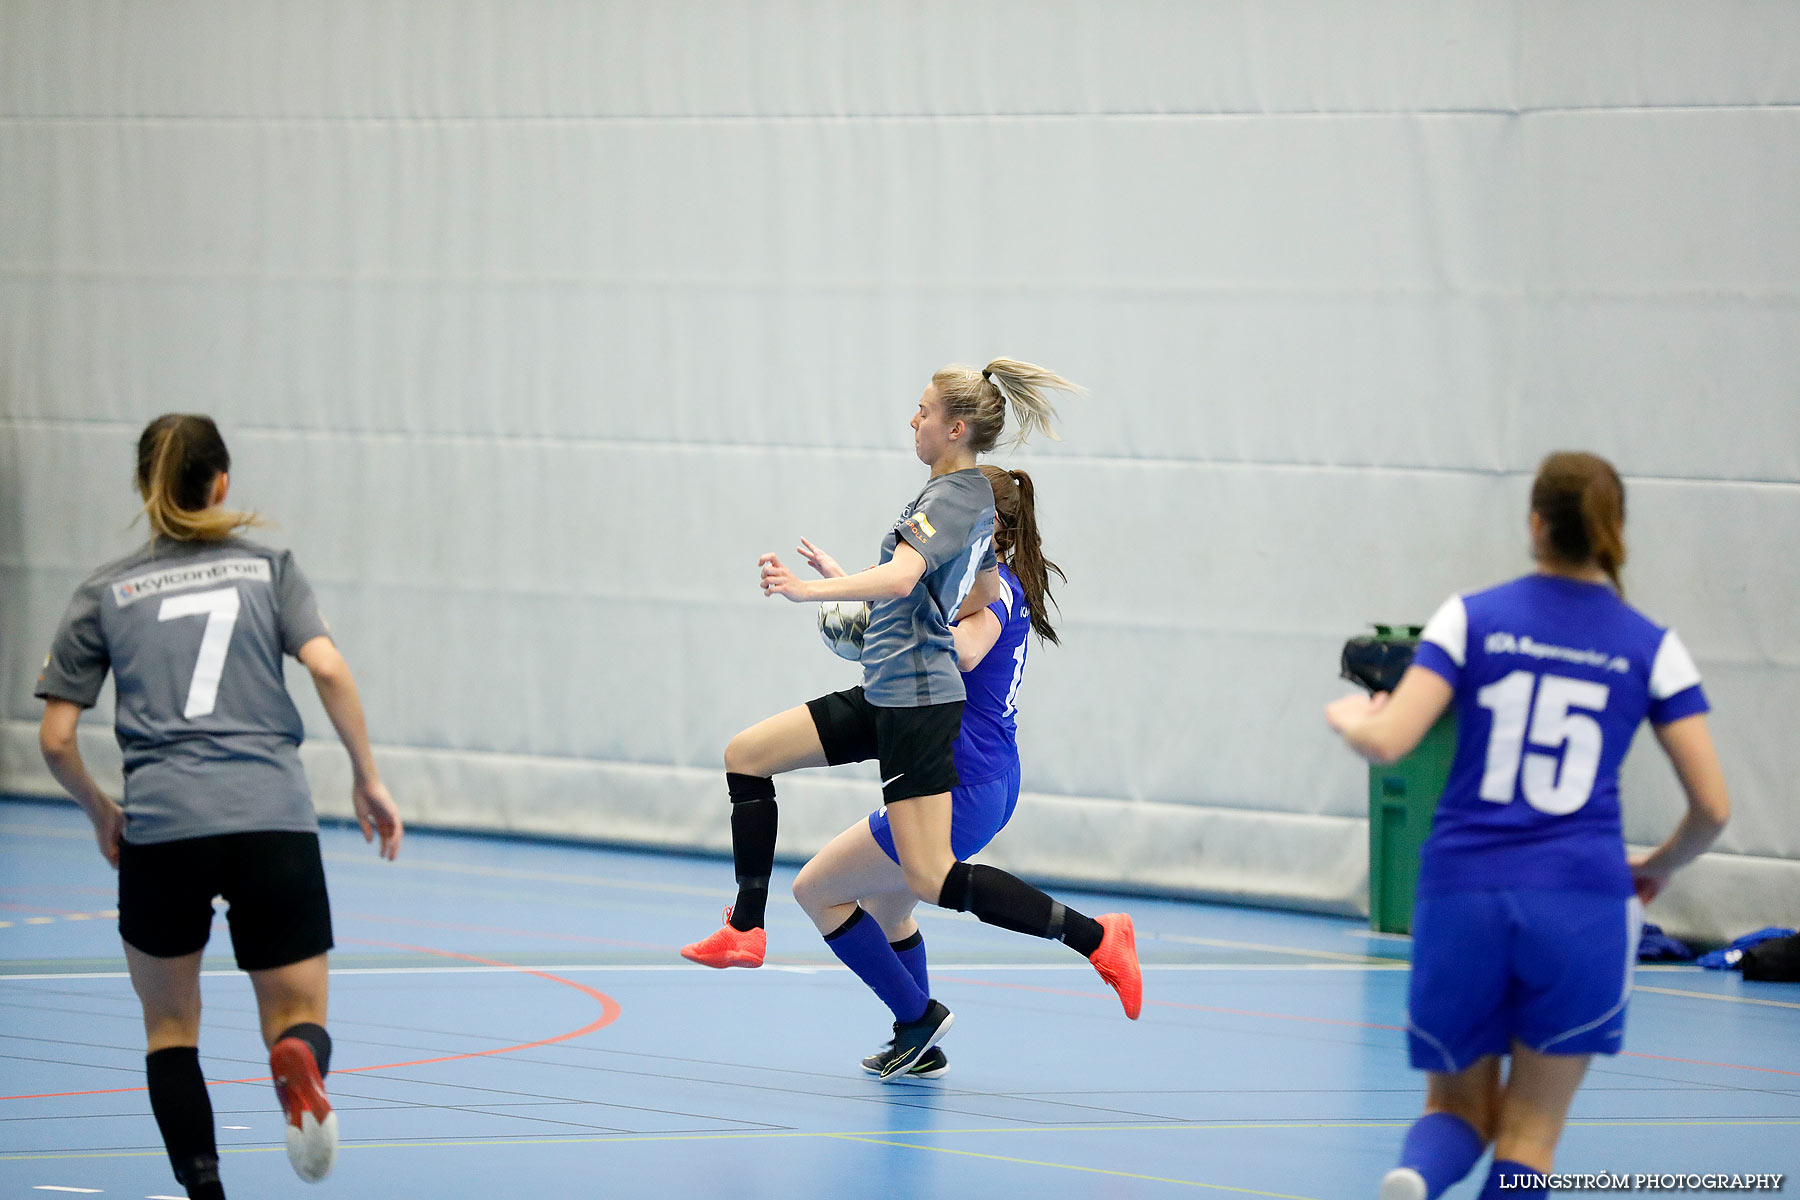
x,y
764,1134
1663,991
1032,1162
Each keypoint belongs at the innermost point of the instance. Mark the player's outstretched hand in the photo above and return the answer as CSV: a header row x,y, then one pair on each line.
x,y
377,812
109,831
820,561
778,580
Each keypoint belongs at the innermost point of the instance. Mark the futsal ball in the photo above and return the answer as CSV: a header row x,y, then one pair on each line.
x,y
842,624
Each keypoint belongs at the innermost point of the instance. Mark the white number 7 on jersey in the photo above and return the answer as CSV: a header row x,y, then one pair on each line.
x,y
1553,725
221,609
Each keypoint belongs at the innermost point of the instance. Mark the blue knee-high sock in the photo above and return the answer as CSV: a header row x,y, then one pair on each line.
x,y
911,953
1521,1182
861,946
1442,1148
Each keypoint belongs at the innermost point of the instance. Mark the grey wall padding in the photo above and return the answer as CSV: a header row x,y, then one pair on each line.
x,y
532,324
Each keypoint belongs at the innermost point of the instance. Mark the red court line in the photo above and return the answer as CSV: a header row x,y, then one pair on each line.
x,y
609,1012
1250,1012
1701,1062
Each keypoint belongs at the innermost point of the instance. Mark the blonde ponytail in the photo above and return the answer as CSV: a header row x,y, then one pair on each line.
x,y
180,455
981,398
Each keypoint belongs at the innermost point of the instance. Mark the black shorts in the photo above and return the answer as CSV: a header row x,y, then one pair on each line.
x,y
916,746
274,882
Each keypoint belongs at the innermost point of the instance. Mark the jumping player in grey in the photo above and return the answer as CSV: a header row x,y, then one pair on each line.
x,y
194,626
937,562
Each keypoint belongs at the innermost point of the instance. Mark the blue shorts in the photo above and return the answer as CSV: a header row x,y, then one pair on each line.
x,y
977,812
1549,969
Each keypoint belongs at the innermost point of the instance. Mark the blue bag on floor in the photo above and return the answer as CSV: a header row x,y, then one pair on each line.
x,y
1656,946
1727,959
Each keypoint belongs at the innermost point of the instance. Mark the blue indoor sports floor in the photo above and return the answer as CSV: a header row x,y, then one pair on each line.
x,y
512,1020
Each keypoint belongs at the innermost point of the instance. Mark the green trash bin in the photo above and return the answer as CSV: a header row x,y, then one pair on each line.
x,y
1402,799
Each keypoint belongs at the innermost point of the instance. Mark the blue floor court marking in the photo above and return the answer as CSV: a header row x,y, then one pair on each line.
x,y
477,1054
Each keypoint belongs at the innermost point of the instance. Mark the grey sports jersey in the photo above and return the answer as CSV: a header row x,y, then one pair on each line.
x,y
194,633
909,657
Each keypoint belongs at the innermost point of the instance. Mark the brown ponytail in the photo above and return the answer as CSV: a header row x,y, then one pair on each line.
x,y
1581,500
179,456
1017,544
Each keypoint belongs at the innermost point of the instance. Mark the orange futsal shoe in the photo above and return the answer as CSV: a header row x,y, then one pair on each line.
x,y
728,947
312,1132
1117,961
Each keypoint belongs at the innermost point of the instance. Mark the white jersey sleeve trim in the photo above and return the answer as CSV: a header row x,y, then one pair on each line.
x,y
1448,630
1673,671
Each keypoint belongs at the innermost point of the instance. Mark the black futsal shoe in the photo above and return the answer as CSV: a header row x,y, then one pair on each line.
x,y
931,1064
913,1038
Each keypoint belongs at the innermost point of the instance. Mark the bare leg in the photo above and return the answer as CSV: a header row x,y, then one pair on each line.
x,y
786,741
169,990
1443,1146
852,866
1534,1105
291,995
291,1002
1472,1094
921,829
893,911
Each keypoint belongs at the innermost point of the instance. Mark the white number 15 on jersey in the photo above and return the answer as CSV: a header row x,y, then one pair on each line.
x,y
1554,725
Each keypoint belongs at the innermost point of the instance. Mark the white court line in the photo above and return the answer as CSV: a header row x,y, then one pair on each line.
x,y
1264,947
51,1187
648,968
1729,999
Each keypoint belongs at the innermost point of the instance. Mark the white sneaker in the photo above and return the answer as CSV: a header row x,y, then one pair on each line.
x,y
1402,1183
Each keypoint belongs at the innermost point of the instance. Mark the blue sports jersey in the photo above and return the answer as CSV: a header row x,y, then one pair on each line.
x,y
989,747
1552,677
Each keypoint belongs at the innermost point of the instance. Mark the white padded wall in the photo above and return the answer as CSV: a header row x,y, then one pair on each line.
x,y
532,324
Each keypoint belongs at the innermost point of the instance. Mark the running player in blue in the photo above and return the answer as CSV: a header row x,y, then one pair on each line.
x,y
858,876
193,627
936,563
1526,926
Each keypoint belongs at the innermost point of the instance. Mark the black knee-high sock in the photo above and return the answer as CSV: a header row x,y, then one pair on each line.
x,y
998,898
752,845
316,1039
184,1114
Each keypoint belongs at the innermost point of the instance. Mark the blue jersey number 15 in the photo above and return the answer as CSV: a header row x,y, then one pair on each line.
x,y
1555,724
